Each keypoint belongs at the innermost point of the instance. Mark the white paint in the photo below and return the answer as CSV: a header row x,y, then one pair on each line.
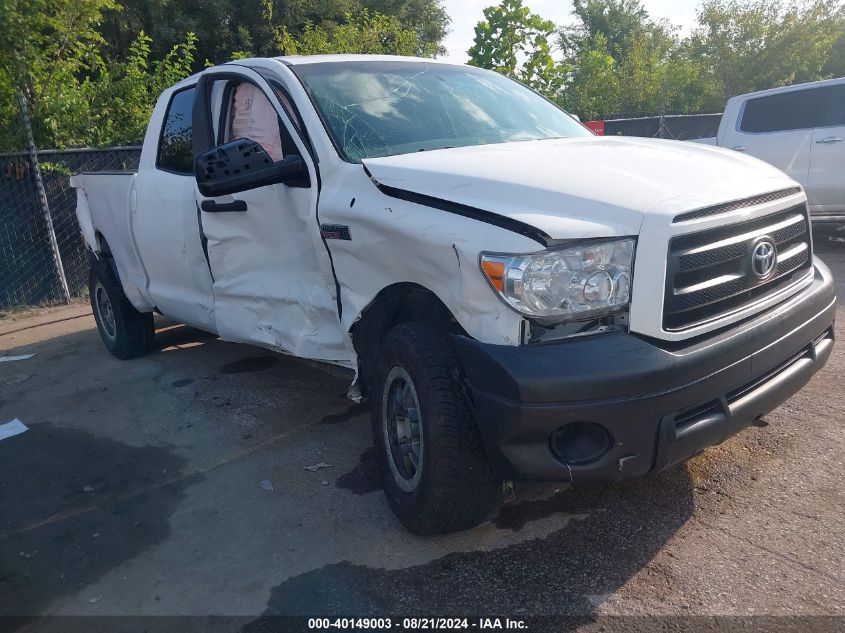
x,y
103,205
811,156
578,187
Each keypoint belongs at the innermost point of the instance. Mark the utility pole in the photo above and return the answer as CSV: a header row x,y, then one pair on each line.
x,y
42,196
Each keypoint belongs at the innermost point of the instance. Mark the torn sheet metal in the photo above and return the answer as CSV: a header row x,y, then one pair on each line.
x,y
10,429
395,241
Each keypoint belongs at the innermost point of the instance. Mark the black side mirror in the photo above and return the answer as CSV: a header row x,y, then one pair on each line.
x,y
244,164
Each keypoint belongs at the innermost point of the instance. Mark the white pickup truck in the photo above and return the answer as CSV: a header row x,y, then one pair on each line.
x,y
799,129
518,298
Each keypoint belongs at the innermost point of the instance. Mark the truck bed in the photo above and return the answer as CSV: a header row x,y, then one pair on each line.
x,y
105,201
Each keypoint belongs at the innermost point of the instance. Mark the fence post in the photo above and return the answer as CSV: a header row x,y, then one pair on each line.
x,y
42,196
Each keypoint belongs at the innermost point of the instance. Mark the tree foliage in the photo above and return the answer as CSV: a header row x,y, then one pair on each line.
x,y
614,58
251,26
86,84
43,45
765,43
363,32
91,70
515,42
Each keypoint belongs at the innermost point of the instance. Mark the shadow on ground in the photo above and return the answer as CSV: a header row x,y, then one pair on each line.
x,y
74,507
617,530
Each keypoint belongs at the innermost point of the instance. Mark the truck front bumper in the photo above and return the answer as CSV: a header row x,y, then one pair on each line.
x,y
612,406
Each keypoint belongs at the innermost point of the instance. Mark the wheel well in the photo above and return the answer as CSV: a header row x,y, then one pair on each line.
x,y
104,250
102,244
396,304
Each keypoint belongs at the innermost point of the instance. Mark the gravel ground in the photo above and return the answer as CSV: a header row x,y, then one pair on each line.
x,y
176,484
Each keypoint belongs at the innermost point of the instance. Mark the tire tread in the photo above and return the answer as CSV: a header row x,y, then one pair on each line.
x,y
462,490
135,330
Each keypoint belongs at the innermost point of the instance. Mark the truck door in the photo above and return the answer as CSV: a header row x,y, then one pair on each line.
x,y
826,187
777,128
273,282
163,216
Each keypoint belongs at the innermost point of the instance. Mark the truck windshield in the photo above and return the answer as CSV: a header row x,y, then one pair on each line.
x,y
382,108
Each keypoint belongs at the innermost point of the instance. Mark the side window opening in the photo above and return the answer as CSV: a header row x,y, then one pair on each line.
x,y
252,116
833,106
793,110
174,147
286,104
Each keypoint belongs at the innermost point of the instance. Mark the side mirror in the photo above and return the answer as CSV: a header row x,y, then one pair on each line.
x,y
244,164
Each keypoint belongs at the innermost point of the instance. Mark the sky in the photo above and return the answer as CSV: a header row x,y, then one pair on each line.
x,y
465,15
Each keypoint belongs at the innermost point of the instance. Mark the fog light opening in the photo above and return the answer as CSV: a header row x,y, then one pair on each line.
x,y
580,443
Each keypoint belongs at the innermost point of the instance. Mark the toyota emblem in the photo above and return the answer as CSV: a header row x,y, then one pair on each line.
x,y
763,259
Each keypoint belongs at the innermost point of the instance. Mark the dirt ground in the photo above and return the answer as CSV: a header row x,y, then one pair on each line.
x,y
177,485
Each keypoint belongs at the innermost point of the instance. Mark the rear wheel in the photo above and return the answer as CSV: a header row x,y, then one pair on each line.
x,y
126,332
433,464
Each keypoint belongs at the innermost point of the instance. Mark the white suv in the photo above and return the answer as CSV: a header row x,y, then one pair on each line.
x,y
799,129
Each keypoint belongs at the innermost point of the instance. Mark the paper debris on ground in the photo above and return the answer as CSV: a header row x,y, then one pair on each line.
x,y
11,359
317,467
10,429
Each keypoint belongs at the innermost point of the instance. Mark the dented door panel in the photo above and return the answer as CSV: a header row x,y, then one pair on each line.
x,y
272,277
269,288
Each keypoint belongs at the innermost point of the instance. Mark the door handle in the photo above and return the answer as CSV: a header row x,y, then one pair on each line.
x,y
211,206
830,139
739,148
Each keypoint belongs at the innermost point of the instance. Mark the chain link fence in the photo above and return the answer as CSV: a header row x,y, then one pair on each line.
x,y
28,272
680,127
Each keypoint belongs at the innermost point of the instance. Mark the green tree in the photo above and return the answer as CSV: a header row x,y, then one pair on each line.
x,y
83,98
618,22
761,44
515,42
593,84
251,26
120,95
427,18
363,32
640,62
44,45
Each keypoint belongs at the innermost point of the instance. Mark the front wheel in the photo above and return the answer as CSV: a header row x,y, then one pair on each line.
x,y
126,332
435,471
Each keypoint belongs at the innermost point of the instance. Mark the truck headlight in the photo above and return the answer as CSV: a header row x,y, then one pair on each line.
x,y
574,283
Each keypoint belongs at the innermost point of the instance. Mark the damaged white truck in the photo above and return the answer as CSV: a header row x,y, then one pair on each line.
x,y
518,298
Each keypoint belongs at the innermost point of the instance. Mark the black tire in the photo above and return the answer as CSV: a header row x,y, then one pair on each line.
x,y
451,489
126,333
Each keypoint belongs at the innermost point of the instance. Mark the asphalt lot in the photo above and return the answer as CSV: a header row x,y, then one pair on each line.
x,y
142,488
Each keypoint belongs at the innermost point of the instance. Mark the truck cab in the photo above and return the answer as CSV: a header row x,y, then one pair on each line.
x,y
518,298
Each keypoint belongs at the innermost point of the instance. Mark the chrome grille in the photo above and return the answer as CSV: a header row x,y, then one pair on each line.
x,y
736,204
709,273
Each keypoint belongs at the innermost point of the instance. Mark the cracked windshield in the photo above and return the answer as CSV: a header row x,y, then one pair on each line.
x,y
376,109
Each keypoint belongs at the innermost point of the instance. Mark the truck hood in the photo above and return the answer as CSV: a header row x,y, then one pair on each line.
x,y
580,187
